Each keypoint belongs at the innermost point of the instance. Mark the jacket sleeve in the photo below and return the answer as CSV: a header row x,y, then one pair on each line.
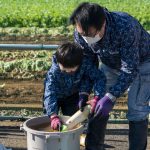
x,y
50,99
129,52
86,85
95,79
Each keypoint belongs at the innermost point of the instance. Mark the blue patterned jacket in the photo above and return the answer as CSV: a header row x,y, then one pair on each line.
x,y
59,85
124,46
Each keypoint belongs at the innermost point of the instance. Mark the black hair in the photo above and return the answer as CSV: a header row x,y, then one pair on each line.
x,y
87,15
69,55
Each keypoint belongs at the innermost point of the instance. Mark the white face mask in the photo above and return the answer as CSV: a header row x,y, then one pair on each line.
x,y
92,40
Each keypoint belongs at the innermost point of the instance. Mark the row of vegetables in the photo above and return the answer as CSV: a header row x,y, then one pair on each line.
x,y
24,65
31,113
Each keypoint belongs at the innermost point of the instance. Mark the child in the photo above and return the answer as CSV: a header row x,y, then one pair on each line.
x,y
69,82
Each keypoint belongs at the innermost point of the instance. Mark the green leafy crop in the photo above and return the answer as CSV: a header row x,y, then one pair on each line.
x,y
50,13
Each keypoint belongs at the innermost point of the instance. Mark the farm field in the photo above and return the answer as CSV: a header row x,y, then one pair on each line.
x,y
22,72
49,13
28,93
21,92
24,64
23,98
21,83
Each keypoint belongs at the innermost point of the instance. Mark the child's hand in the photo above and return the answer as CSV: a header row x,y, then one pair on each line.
x,y
93,103
82,101
55,122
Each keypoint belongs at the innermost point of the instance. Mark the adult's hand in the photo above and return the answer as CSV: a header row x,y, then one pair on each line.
x,y
104,106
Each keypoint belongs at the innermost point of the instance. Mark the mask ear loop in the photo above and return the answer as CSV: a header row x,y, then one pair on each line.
x,y
102,30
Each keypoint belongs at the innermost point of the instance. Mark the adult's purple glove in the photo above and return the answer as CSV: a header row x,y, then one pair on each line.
x,y
104,106
55,122
83,98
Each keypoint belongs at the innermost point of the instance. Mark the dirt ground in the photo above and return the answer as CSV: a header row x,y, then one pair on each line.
x,y
28,92
21,92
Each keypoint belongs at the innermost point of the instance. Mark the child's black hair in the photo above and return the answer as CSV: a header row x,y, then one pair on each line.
x,y
69,55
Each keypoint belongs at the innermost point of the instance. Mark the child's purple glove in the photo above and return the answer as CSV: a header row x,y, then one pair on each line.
x,y
104,106
83,98
55,122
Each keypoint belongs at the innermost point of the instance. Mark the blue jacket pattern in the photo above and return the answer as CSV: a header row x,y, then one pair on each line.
x,y
59,85
124,46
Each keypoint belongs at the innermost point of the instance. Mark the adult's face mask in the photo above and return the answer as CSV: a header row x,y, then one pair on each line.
x,y
92,40
68,73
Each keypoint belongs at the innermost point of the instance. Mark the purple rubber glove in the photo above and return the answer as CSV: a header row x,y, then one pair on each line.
x,y
55,122
104,106
83,98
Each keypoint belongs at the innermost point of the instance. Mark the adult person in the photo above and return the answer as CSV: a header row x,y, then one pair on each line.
x,y
123,48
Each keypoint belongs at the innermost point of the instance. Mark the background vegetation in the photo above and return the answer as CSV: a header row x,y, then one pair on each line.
x,y
24,65
33,18
55,13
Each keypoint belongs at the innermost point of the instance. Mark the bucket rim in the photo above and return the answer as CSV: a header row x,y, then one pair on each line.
x,y
28,129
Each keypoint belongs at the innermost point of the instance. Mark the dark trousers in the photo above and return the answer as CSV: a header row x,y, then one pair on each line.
x,y
138,132
96,133
69,105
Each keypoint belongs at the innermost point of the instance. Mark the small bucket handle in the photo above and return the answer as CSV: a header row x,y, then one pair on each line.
x,y
49,136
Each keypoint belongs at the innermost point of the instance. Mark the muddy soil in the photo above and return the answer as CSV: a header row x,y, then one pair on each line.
x,y
30,92
21,92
